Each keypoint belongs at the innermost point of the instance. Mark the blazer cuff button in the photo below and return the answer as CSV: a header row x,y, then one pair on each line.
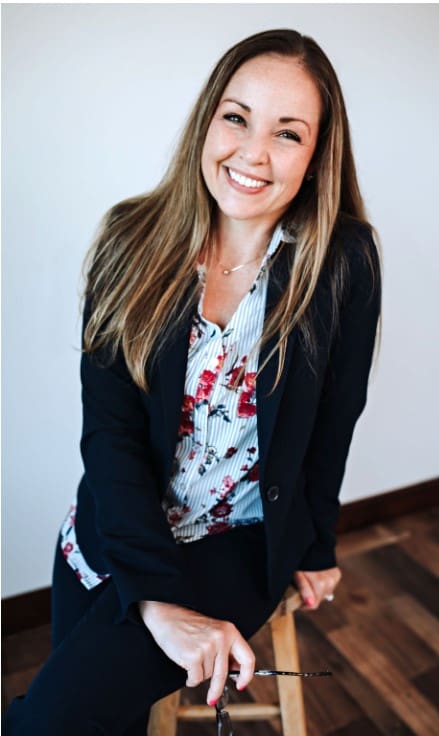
x,y
272,493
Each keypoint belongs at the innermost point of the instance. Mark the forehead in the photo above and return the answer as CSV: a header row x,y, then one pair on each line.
x,y
281,82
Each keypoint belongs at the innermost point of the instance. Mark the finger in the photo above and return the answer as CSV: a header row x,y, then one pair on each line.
x,y
219,677
305,589
207,654
245,657
208,666
317,582
194,674
322,582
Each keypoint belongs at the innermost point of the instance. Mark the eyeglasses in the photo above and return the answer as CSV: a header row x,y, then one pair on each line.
x,y
223,721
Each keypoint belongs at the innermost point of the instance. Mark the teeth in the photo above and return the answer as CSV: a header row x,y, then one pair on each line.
x,y
244,180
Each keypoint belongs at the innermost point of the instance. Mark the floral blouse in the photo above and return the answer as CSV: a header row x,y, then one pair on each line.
x,y
214,484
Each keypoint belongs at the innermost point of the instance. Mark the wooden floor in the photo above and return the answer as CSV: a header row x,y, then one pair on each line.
x,y
380,638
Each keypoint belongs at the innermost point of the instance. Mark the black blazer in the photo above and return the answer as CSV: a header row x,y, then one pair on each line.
x,y
305,429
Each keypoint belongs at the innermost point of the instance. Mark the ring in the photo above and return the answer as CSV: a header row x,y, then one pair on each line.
x,y
329,598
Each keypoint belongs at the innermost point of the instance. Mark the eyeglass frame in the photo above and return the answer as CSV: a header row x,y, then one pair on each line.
x,y
223,720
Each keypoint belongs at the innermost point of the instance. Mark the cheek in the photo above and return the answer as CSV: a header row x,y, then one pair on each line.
x,y
294,172
206,160
218,144
209,163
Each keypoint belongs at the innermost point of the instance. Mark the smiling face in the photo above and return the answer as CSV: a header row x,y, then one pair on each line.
x,y
261,139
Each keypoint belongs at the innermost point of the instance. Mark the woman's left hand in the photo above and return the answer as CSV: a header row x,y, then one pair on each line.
x,y
315,585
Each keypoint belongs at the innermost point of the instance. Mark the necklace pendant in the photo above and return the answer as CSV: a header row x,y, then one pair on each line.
x,y
226,272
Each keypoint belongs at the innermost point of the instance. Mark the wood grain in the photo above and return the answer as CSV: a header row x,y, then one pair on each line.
x,y
395,688
354,543
380,638
314,645
290,688
422,544
421,621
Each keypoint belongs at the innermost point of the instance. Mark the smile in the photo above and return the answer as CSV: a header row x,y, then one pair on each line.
x,y
245,181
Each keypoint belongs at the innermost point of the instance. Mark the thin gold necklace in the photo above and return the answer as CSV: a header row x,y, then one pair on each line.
x,y
227,271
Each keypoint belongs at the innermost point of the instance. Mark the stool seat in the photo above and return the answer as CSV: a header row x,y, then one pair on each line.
x,y
166,713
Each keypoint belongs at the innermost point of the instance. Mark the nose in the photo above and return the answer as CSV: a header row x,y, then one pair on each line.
x,y
254,149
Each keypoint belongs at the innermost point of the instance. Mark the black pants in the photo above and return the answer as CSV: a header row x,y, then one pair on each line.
x,y
102,677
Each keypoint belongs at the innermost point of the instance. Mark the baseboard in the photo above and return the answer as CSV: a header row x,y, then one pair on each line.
x,y
28,610
386,506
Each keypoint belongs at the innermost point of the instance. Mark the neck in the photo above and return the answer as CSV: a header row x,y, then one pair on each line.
x,y
237,241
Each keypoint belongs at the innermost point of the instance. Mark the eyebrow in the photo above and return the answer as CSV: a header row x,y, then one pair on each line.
x,y
281,120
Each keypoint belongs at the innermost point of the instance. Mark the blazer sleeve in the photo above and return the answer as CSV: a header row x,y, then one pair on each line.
x,y
342,401
135,539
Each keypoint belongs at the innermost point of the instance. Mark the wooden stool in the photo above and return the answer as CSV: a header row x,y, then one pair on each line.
x,y
166,713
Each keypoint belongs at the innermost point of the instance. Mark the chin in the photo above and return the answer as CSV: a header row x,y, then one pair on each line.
x,y
242,216
239,211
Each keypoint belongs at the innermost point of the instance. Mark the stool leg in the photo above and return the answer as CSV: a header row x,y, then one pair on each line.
x,y
283,630
163,716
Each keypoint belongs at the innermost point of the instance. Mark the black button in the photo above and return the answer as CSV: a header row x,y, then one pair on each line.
x,y
272,493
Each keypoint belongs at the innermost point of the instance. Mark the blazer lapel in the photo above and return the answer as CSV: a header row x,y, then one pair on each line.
x,y
267,399
172,373
173,362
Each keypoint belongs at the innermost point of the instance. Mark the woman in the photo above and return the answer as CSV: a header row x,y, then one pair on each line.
x,y
229,328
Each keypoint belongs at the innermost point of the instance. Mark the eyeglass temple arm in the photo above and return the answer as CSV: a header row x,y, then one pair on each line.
x,y
265,673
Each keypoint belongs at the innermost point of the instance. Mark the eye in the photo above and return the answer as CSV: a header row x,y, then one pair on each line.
x,y
290,135
233,117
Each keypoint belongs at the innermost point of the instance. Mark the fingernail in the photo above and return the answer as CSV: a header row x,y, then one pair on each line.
x,y
309,601
240,687
212,703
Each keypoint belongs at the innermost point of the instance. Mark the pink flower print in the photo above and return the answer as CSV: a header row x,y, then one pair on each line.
x,y
205,387
212,491
191,455
68,547
195,335
73,519
188,402
174,516
220,362
217,527
250,381
228,485
222,509
230,452
234,378
251,450
246,403
253,473
78,574
186,427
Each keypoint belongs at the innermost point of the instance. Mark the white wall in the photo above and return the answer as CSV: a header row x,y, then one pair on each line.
x,y
93,98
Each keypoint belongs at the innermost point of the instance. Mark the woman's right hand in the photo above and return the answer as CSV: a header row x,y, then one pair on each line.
x,y
205,647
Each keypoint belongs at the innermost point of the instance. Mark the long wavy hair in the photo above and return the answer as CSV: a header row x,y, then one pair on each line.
x,y
143,258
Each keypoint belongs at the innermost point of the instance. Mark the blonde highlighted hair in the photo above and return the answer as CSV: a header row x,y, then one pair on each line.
x,y
143,258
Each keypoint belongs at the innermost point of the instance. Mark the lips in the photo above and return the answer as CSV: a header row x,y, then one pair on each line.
x,y
246,182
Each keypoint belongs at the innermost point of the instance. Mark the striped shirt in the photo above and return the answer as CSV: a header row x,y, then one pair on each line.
x,y
214,485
